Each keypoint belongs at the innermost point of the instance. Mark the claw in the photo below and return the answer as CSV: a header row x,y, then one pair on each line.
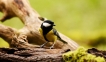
x,y
43,45
52,46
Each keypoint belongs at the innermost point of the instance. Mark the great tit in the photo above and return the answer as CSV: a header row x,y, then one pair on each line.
x,y
49,33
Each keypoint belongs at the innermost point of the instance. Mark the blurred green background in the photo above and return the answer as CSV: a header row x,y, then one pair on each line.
x,y
84,21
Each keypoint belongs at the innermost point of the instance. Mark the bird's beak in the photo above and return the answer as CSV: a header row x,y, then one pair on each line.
x,y
54,25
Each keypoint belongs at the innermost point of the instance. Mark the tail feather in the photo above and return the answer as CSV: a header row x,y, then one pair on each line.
x,y
62,40
57,34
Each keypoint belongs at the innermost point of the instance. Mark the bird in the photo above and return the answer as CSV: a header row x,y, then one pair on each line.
x,y
49,33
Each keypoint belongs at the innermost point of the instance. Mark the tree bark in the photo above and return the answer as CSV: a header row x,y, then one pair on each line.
x,y
30,55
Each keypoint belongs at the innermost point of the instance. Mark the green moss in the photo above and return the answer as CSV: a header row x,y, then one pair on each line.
x,y
80,55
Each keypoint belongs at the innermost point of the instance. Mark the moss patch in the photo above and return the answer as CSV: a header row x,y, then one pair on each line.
x,y
80,55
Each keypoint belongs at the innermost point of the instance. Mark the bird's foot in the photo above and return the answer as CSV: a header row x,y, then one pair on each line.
x,y
42,46
51,47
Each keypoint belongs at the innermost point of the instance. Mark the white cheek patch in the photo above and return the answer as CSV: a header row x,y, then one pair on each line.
x,y
46,24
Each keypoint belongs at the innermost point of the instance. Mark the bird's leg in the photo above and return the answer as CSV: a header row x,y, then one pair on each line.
x,y
52,46
43,44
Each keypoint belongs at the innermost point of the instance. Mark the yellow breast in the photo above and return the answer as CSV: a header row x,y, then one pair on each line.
x,y
50,36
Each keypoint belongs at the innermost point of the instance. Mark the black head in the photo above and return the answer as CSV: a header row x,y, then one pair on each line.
x,y
48,23
47,26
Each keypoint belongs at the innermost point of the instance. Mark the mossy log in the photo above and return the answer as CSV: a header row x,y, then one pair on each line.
x,y
24,42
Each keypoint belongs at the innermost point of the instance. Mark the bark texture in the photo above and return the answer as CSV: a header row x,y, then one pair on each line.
x,y
30,55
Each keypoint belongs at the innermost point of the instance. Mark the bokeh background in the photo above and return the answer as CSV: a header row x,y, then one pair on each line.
x,y
84,21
